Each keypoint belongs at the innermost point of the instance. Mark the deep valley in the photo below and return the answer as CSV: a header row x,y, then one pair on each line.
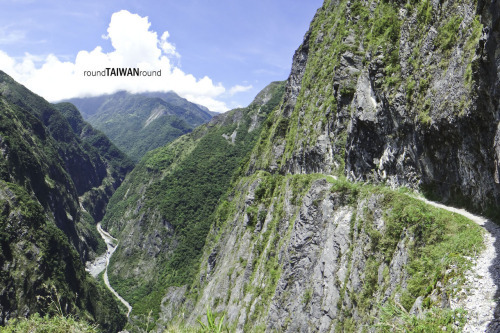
x,y
362,194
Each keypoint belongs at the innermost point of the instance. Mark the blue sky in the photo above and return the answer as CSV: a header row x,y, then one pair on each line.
x,y
217,53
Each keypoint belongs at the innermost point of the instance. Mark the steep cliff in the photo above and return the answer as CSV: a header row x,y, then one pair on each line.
x,y
94,196
41,271
310,253
398,92
386,92
43,158
42,152
162,212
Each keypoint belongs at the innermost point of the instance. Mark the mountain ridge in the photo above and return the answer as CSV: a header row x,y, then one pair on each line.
x,y
45,168
137,123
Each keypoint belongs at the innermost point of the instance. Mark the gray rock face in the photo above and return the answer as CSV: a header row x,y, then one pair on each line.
x,y
451,154
171,303
145,239
435,128
305,256
317,266
294,83
325,253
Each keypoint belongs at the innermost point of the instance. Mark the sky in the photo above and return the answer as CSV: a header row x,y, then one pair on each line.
x,y
217,53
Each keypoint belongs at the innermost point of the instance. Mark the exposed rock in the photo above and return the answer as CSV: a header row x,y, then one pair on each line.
x,y
381,92
171,303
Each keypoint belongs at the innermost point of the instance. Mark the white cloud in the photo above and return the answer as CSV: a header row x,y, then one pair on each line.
x,y
135,45
238,88
167,47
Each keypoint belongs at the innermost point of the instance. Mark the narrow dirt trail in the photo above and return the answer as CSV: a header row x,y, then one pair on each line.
x,y
479,294
110,243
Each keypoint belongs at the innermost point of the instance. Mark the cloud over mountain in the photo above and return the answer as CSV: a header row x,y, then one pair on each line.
x,y
134,45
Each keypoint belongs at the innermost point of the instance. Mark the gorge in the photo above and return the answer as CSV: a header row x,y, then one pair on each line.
x,y
306,211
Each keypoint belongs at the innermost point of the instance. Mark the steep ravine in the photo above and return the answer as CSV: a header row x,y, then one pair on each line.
x,y
57,174
162,213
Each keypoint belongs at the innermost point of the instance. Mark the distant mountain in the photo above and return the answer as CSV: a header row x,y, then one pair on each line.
x,y
56,176
138,123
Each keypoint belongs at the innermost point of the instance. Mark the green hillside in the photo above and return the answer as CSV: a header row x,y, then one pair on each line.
x,y
138,123
47,170
162,212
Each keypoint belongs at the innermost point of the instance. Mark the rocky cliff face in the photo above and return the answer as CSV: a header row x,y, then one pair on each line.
x,y
95,182
374,97
48,156
385,92
311,253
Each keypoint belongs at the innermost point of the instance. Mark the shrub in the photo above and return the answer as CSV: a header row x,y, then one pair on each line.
x,y
56,324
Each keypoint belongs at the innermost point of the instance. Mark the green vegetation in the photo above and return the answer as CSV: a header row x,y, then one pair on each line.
x,y
55,324
344,36
354,31
193,190
44,168
94,141
138,123
267,237
424,12
448,32
183,329
48,270
438,244
64,324
395,318
213,325
49,157
470,50
189,178
112,165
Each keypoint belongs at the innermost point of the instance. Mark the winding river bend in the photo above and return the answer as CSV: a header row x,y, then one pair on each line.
x,y
101,264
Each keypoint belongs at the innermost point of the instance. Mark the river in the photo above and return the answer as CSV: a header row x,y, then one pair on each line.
x,y
101,264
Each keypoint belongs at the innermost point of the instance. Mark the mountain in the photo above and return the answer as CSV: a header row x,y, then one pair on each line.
x,y
163,210
319,228
138,123
95,196
304,211
56,177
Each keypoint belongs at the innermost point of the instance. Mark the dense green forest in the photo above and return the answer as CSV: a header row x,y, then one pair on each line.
x,y
46,167
138,123
180,185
